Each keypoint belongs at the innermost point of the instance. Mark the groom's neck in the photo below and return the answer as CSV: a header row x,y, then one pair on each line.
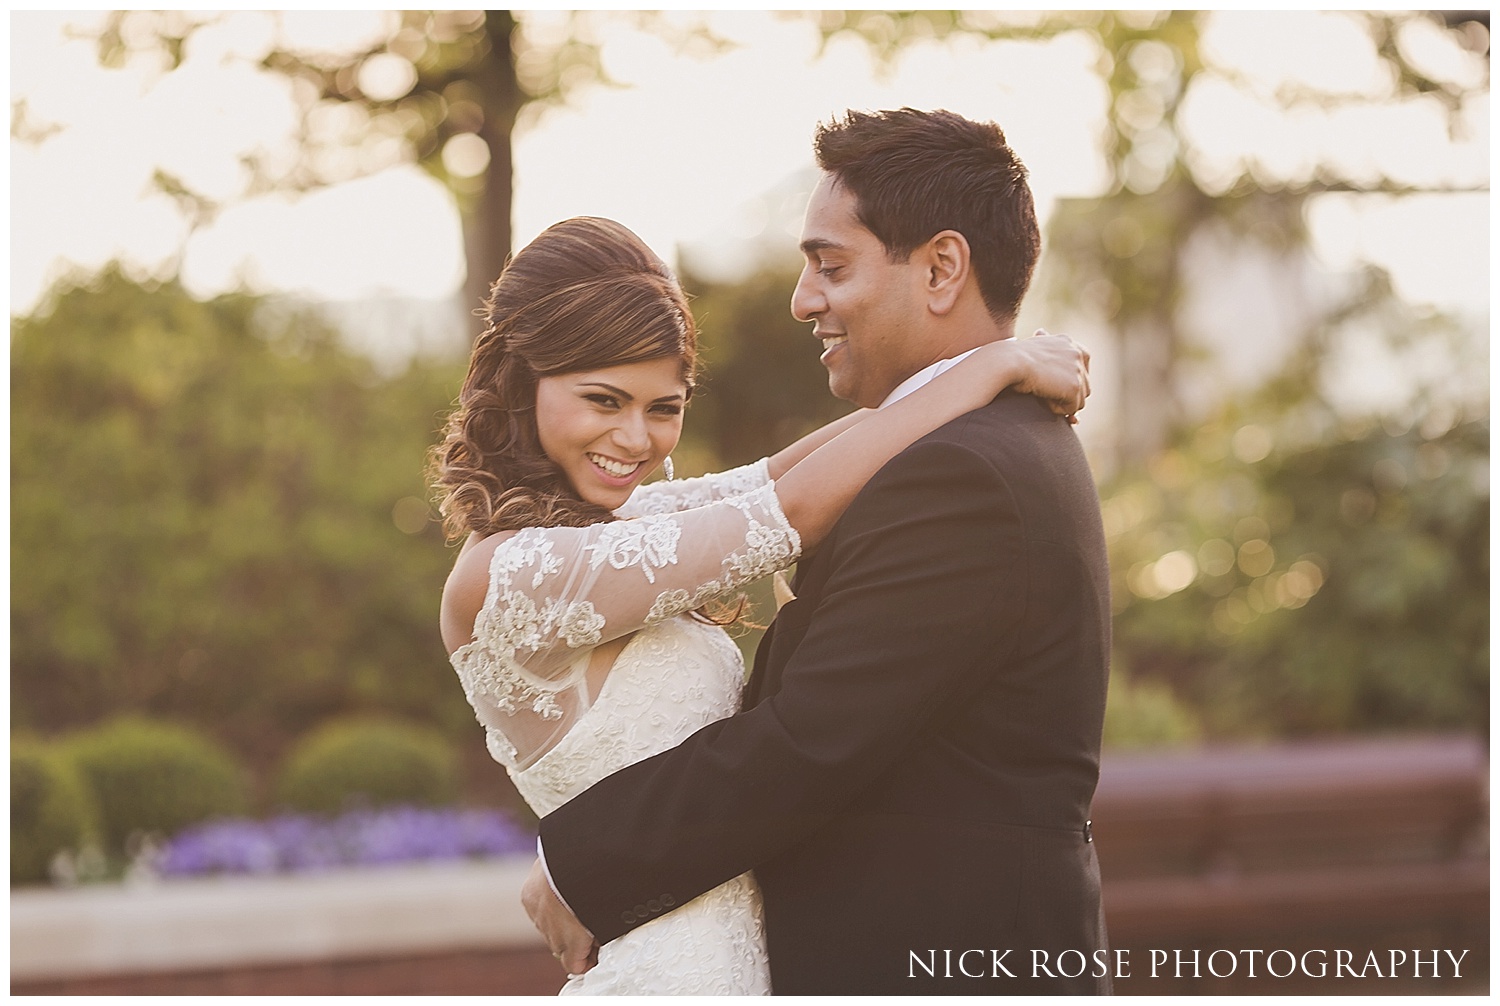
x,y
971,335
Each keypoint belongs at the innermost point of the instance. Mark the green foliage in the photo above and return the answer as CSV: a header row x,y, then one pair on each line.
x,y
51,810
365,761
219,516
154,777
1336,585
763,386
1143,714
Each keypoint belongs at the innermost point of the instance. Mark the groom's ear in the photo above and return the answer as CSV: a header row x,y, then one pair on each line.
x,y
945,265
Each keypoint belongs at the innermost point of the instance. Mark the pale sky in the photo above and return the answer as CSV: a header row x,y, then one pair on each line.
x,y
684,150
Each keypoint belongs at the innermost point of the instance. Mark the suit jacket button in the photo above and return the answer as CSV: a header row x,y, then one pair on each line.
x,y
668,900
640,911
1088,831
654,905
627,917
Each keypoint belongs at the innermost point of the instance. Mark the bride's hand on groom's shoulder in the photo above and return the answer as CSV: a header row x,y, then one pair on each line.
x,y
1058,372
571,944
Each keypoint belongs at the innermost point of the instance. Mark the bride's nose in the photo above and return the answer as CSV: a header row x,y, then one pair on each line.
x,y
631,435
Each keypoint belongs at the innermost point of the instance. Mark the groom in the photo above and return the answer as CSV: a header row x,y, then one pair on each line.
x,y
911,776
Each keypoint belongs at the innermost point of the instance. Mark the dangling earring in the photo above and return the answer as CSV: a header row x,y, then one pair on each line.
x,y
666,468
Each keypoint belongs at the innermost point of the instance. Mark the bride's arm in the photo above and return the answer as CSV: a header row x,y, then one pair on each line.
x,y
545,593
785,459
814,493
669,496
1037,360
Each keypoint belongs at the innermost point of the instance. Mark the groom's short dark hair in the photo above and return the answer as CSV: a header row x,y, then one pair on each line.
x,y
914,173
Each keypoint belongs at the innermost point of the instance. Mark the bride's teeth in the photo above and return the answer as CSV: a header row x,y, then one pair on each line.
x,y
613,467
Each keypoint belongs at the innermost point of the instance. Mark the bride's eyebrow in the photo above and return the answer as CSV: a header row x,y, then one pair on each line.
x,y
617,392
627,396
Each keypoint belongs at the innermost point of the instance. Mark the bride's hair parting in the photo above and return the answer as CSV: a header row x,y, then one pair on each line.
x,y
587,293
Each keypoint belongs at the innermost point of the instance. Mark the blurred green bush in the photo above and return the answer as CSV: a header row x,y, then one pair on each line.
x,y
371,762
1285,585
51,809
218,517
1146,714
155,778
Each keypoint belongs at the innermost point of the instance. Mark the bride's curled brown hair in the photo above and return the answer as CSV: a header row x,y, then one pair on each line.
x,y
585,294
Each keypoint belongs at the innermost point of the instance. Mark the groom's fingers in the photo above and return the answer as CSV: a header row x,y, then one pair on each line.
x,y
568,939
578,959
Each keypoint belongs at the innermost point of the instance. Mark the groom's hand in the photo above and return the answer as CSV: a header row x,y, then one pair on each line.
x,y
569,941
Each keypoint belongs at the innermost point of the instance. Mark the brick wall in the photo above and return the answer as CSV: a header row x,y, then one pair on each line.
x,y
472,972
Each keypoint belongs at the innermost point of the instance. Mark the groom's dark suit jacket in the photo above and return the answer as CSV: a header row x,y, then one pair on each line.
x,y
912,773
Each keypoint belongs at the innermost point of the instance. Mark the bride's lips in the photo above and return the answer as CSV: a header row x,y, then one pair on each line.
x,y
618,473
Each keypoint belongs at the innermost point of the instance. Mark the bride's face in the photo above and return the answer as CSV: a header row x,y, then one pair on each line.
x,y
607,429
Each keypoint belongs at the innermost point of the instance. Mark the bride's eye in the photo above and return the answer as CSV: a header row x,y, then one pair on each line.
x,y
667,409
607,401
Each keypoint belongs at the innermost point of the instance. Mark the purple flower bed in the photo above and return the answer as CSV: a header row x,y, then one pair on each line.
x,y
300,843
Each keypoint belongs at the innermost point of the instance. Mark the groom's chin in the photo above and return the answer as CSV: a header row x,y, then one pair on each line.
x,y
841,389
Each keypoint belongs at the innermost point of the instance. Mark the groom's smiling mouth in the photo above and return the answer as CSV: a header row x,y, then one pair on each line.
x,y
831,343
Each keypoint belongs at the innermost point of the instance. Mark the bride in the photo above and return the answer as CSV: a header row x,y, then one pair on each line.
x,y
581,612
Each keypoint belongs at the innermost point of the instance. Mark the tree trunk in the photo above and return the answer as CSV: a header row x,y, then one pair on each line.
x,y
486,220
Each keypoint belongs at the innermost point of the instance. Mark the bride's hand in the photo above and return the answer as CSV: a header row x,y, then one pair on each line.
x,y
1055,369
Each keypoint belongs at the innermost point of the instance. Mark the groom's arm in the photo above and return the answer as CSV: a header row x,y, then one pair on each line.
x,y
927,590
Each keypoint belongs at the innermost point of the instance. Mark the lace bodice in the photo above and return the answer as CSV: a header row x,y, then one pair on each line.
x,y
671,679
555,594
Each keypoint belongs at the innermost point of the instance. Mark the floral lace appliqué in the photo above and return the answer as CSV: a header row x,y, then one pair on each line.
x,y
650,543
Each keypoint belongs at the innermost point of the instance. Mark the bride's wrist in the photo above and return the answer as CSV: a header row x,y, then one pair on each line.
x,y
1009,362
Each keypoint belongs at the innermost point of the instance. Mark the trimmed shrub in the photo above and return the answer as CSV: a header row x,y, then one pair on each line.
x,y
50,810
368,762
150,777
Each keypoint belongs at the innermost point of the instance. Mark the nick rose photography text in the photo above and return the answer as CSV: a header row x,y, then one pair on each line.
x,y
1221,963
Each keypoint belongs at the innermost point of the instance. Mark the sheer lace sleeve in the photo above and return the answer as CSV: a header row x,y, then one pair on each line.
x,y
685,494
557,593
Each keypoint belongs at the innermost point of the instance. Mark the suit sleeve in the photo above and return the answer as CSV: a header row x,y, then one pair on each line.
x,y
934,539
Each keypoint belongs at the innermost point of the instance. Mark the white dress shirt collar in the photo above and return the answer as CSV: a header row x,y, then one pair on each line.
x,y
921,377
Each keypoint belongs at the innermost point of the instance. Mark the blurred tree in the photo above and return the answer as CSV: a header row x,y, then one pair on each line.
x,y
447,89
444,89
218,517
268,480
1339,586
1285,568
1288,569
1125,251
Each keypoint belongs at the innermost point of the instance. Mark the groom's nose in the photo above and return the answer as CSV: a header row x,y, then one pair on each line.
x,y
807,299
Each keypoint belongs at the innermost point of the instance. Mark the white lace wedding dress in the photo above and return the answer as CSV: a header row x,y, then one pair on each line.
x,y
555,594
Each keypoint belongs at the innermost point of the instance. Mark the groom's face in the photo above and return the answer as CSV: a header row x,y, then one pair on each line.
x,y
866,309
